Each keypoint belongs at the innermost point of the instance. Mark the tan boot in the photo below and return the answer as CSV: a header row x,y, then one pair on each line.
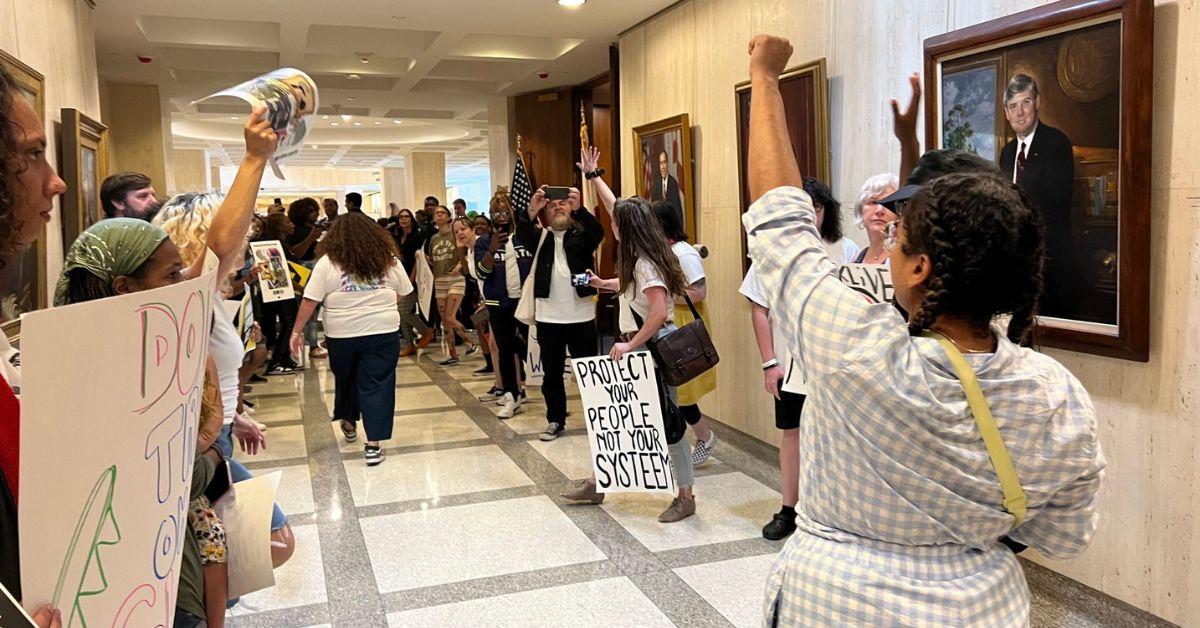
x,y
408,350
681,508
584,491
426,339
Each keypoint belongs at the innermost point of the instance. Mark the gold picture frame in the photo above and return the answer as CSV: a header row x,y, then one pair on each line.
x,y
84,167
671,137
23,278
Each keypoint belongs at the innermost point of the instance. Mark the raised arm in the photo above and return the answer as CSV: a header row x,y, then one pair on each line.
x,y
772,163
536,203
227,234
904,125
589,161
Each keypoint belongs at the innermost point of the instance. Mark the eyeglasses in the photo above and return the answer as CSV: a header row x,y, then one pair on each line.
x,y
889,234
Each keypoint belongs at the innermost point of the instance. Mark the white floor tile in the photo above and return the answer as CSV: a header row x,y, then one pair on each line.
x,y
418,429
442,545
431,474
729,507
282,442
299,582
570,454
615,602
270,411
733,587
533,418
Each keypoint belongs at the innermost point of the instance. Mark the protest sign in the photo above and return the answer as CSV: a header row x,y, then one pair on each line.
x,y
290,97
424,285
534,373
241,312
106,471
246,511
873,282
624,421
299,274
273,276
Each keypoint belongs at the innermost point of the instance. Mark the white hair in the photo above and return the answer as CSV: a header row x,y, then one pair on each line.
x,y
872,188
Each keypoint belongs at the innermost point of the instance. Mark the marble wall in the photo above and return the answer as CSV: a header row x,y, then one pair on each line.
x,y
67,60
688,59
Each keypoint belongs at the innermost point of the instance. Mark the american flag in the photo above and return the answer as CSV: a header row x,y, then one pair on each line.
x,y
521,191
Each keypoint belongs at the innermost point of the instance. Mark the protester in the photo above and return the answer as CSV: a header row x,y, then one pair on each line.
x,y
359,282
565,312
503,260
649,278
409,240
446,263
302,245
28,187
466,233
901,519
460,208
870,215
330,206
278,316
353,203
130,195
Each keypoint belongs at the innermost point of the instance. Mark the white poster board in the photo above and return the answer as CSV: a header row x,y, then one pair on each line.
x,y
274,277
106,470
873,282
624,421
534,372
424,286
246,511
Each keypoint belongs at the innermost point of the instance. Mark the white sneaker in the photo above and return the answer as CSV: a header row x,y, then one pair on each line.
x,y
509,407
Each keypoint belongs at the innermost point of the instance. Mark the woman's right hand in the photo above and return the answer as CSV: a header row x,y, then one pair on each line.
x,y
904,124
261,139
773,380
48,617
589,159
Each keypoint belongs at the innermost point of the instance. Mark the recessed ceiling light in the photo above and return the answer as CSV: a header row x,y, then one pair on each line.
x,y
353,77
396,121
351,98
334,123
325,117
571,3
377,123
233,117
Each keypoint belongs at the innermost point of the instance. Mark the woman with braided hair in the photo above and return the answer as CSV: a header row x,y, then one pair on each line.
x,y
931,445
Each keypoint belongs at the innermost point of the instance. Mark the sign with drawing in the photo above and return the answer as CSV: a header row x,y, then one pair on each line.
x,y
101,537
274,276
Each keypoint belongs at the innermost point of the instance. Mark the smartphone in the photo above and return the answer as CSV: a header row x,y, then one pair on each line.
x,y
557,193
579,280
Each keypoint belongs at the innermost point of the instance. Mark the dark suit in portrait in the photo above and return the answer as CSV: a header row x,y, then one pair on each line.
x,y
670,194
1047,179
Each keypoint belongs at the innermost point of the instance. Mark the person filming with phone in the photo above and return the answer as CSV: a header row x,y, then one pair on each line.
x,y
565,311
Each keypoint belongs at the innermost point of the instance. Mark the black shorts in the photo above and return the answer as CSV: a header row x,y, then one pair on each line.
x,y
787,410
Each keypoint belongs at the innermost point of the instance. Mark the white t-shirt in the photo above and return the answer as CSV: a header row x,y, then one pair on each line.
x,y
844,251
645,276
512,272
227,351
753,289
693,271
355,308
564,306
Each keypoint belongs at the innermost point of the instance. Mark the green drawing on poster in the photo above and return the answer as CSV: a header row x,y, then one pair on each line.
x,y
82,572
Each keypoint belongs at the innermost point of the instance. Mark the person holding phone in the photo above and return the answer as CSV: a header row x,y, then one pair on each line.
x,y
449,285
565,313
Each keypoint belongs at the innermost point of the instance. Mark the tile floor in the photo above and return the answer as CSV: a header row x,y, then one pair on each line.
x,y
462,524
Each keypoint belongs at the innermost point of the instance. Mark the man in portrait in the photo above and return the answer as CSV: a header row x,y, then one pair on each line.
x,y
665,187
1040,161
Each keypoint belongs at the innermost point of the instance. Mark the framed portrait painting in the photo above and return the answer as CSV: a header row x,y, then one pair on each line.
x,y
663,163
806,107
84,166
1059,97
23,277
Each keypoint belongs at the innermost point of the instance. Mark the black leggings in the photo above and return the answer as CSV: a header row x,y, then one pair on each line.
x,y
691,414
510,347
277,322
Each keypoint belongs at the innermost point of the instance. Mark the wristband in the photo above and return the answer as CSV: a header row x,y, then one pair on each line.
x,y
770,364
597,173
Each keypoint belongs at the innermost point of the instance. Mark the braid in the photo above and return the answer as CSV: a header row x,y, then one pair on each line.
x,y
941,253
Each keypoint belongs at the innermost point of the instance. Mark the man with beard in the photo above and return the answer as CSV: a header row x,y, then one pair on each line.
x,y
565,313
129,195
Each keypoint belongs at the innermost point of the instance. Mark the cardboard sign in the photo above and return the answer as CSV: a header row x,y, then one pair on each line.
x,y
106,471
274,278
300,274
424,286
242,315
246,511
624,421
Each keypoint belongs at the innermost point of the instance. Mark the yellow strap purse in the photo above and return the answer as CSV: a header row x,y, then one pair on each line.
x,y
1014,496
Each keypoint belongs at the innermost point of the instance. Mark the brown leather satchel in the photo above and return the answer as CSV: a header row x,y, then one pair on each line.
x,y
685,353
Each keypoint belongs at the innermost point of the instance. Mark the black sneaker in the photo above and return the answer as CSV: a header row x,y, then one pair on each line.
x,y
349,430
373,454
448,362
553,431
483,372
492,395
257,378
780,527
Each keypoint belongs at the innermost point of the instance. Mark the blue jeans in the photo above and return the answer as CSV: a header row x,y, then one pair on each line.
x,y
238,473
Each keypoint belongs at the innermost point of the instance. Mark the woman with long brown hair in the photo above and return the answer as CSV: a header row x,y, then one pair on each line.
x,y
409,239
449,286
359,282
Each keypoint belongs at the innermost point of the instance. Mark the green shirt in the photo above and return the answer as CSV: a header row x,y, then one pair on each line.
x,y
191,575
443,254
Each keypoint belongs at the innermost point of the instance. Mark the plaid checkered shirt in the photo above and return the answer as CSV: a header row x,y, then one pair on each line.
x,y
900,509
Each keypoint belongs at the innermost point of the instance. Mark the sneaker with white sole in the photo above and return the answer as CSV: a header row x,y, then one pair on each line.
x,y
349,430
493,395
509,407
372,454
553,431
703,450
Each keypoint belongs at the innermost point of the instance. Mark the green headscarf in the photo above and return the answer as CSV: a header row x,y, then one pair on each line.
x,y
109,249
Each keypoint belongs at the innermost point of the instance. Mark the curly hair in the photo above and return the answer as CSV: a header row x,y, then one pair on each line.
x,y
300,208
642,237
10,167
274,227
831,224
986,246
186,219
359,247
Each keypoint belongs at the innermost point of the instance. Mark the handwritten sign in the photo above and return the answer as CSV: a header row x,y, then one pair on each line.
x,y
624,421
106,470
534,371
873,282
274,277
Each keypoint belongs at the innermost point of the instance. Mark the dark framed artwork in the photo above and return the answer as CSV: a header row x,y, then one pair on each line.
x,y
84,166
1072,127
663,163
806,106
23,278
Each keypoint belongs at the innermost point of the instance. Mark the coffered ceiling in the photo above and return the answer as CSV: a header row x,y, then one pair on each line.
x,y
395,75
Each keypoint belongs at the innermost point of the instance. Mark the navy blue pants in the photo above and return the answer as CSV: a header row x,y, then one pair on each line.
x,y
364,375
